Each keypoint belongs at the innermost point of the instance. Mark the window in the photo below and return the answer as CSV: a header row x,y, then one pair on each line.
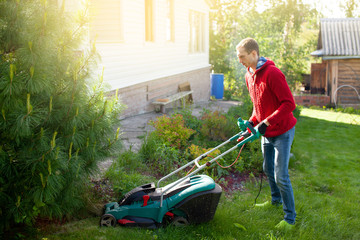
x,y
196,32
106,21
170,32
149,20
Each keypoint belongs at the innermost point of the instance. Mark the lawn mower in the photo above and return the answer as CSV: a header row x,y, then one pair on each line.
x,y
190,199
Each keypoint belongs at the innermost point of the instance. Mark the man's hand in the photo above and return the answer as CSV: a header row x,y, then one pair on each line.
x,y
251,122
262,127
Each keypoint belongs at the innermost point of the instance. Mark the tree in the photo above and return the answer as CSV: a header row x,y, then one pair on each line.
x,y
350,7
56,124
226,27
281,29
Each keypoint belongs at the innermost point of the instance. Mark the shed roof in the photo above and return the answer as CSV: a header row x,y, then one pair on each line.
x,y
339,37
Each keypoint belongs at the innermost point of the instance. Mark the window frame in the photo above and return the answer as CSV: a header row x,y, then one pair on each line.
x,y
149,21
196,31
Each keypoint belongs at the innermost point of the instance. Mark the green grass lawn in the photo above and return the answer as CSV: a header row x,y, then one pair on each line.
x,y
325,174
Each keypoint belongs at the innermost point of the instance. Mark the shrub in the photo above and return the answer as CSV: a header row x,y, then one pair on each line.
x,y
214,170
55,127
227,94
171,130
330,106
148,148
127,172
191,121
213,125
195,151
234,112
339,109
252,157
315,107
349,110
237,111
297,111
160,157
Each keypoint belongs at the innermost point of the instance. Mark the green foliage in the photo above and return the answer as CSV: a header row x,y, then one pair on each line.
x,y
211,129
160,157
315,107
227,94
55,126
171,130
350,7
162,149
286,32
126,173
213,126
349,110
148,148
330,107
191,121
243,110
338,109
297,111
252,157
98,192
196,151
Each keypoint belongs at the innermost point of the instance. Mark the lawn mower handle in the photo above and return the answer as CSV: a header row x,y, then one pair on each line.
x,y
244,126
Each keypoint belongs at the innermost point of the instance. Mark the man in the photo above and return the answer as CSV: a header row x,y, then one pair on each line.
x,y
273,104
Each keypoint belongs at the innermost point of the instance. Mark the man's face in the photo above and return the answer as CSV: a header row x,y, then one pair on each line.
x,y
246,59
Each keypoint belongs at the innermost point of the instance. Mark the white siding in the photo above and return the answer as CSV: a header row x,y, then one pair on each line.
x,y
103,13
135,61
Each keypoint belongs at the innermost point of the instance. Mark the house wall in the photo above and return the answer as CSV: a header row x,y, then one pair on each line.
x,y
331,77
134,66
133,60
348,80
312,100
318,78
344,80
138,97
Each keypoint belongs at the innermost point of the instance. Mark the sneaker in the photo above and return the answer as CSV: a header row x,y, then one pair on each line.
x,y
284,226
267,204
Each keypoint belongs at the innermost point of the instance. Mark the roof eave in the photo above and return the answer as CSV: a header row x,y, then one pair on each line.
x,y
317,53
328,57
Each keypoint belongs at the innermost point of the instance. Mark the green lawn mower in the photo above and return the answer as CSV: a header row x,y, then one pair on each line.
x,y
190,199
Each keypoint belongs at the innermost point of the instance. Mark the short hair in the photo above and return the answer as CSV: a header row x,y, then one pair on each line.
x,y
249,44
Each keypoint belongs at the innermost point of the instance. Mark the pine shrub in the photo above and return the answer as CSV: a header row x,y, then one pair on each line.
x,y
55,125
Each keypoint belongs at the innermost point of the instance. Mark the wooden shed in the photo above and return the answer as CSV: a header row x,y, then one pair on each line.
x,y
338,76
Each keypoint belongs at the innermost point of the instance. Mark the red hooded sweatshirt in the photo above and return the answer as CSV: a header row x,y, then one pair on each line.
x,y
272,99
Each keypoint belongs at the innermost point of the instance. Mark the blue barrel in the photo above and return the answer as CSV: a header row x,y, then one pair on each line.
x,y
217,85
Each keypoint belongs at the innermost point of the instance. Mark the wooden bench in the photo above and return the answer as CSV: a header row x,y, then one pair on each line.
x,y
162,102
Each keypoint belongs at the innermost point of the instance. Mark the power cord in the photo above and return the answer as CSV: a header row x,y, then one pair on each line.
x,y
219,163
234,161
261,178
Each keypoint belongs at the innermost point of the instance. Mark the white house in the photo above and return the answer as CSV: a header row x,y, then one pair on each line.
x,y
149,47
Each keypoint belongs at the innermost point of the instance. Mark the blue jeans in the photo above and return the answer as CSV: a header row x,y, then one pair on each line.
x,y
276,153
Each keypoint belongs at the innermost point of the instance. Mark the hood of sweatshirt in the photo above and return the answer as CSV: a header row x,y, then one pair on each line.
x,y
261,64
